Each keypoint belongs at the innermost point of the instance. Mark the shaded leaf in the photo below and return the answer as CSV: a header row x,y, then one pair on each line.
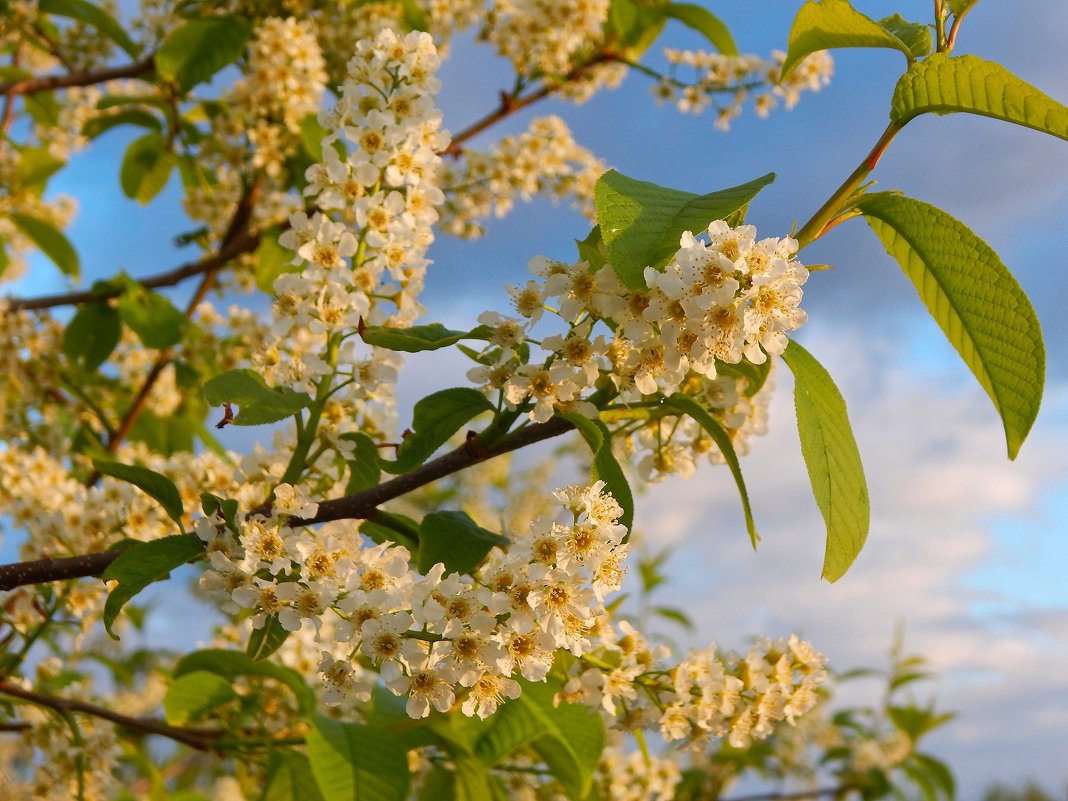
x,y
364,471
605,466
290,778
916,36
265,640
975,300
190,696
455,540
436,418
272,260
258,403
201,47
95,126
641,222
231,664
51,241
143,564
92,15
573,741
146,167
415,338
832,459
92,334
353,762
150,315
153,484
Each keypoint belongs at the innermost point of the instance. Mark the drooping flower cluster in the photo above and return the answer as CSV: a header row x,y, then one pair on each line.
x,y
377,204
430,636
545,160
544,35
740,76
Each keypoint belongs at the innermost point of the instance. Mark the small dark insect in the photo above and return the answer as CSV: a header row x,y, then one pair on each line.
x,y
228,416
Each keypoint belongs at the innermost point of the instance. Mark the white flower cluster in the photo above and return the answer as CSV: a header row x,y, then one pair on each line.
x,y
434,636
634,776
725,301
544,35
544,160
740,76
382,191
285,77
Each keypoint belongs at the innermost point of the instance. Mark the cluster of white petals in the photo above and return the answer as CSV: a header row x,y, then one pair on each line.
x,y
542,161
430,637
740,77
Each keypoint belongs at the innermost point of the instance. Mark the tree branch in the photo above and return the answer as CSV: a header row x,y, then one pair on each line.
x,y
799,795
200,739
29,86
357,506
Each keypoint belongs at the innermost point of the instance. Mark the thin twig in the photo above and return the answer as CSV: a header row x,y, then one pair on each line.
x,y
798,795
357,506
200,739
29,86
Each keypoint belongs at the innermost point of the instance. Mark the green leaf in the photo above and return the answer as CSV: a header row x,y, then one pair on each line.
x,y
272,260
939,772
364,471
146,167
974,299
592,250
150,315
51,241
353,762
132,116
36,165
832,460
959,7
634,25
688,406
943,84
258,403
706,23
311,136
191,696
835,23
290,778
755,375
154,484
574,738
436,418
416,338
200,48
394,528
231,664
92,334
455,540
605,466
141,565
641,222
94,16
916,36
265,640
511,727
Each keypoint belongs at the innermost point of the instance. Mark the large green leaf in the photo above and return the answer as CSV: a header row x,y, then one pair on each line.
x,y
455,540
915,35
706,23
154,484
512,726
201,47
975,300
436,418
52,242
943,84
231,664
574,737
832,460
258,403
146,167
641,222
92,334
831,24
92,15
353,762
191,696
150,315
688,406
141,565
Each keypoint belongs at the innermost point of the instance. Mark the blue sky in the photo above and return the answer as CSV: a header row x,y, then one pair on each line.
x,y
967,550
